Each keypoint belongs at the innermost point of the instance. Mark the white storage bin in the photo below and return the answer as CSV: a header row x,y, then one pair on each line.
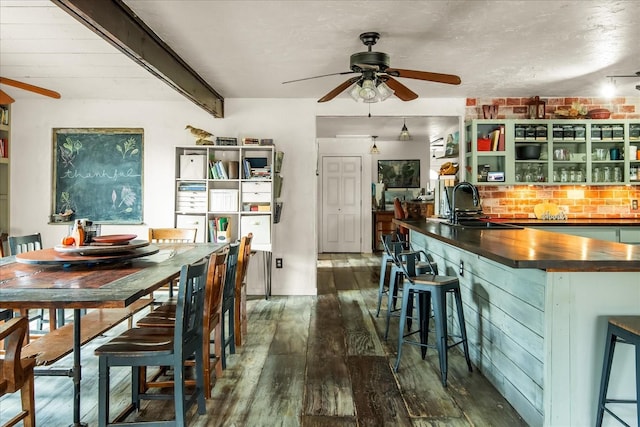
x,y
256,197
223,200
193,221
256,187
259,225
193,166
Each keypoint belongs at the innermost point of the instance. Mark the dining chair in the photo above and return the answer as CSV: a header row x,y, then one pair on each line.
x,y
4,244
399,213
172,235
240,309
165,316
142,347
227,308
16,373
28,243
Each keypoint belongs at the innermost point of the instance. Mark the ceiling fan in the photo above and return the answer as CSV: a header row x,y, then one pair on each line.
x,y
7,99
377,80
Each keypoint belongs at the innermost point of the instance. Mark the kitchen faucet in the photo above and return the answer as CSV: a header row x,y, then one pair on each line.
x,y
453,217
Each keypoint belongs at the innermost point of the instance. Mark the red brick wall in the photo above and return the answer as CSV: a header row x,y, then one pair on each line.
x,y
516,108
588,201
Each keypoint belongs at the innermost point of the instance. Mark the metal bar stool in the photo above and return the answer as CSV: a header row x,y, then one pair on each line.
x,y
431,289
622,329
388,244
423,264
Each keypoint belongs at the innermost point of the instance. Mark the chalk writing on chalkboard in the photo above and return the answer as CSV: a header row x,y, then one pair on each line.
x,y
97,173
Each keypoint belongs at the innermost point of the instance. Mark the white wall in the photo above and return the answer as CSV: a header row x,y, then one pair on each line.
x,y
290,122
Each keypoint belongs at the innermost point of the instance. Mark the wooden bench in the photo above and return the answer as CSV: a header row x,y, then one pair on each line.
x,y
51,347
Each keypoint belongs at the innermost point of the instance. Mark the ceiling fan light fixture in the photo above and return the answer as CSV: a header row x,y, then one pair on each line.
x,y
384,91
404,132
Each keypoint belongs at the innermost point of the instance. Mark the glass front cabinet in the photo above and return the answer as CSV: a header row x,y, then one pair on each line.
x,y
599,152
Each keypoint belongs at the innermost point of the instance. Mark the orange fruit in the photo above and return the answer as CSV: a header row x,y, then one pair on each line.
x,y
68,241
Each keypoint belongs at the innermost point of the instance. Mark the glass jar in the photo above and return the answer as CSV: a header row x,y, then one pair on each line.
x,y
564,175
606,174
579,175
617,174
597,175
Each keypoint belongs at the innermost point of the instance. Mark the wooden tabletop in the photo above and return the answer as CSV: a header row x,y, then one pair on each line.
x,y
530,248
93,286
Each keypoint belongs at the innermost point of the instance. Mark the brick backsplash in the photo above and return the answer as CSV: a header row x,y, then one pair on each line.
x,y
516,108
577,201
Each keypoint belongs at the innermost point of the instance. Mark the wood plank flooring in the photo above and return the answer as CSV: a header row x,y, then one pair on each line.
x,y
308,361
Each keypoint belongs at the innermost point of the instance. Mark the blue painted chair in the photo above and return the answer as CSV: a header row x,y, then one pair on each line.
x,y
28,243
142,347
227,309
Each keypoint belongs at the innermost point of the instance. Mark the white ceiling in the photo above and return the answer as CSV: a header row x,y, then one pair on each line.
x,y
246,49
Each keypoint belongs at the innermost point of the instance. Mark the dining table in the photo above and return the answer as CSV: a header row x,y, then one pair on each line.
x,y
79,281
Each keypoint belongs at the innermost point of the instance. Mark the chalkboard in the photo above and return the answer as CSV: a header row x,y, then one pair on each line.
x,y
97,173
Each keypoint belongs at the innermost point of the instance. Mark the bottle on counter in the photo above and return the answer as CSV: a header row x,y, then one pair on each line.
x,y
78,233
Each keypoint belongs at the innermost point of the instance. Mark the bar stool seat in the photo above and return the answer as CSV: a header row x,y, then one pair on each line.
x,y
621,329
432,290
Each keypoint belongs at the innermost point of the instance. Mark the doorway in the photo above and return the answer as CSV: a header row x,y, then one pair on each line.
x,y
341,204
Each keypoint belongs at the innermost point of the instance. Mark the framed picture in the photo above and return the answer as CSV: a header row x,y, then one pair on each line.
x,y
399,173
97,174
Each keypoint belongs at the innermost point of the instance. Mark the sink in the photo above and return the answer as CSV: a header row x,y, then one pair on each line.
x,y
485,225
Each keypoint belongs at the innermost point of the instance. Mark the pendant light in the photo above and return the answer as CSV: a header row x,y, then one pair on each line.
x,y
404,133
374,148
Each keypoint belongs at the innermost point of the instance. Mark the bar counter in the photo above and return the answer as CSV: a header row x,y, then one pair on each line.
x,y
536,305
531,248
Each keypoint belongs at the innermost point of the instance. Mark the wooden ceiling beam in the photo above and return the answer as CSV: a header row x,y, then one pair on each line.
x,y
116,23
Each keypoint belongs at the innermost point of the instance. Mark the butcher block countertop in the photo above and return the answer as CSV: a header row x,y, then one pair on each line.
x,y
531,248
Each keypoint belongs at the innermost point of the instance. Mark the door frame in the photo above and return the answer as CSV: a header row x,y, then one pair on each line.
x,y
338,147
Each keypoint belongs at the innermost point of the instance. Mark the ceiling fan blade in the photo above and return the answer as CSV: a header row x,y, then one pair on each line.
x,y
400,90
335,92
5,98
317,77
30,88
424,75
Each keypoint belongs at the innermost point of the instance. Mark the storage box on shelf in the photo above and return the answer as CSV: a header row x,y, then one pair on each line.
x,y
557,151
227,191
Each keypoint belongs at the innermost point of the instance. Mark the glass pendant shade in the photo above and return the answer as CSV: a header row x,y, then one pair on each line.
x,y
374,148
404,133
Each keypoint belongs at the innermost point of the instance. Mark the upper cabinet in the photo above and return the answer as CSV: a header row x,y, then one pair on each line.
x,y
601,152
5,136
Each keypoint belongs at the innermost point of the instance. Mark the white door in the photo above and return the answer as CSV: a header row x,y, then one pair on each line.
x,y
341,204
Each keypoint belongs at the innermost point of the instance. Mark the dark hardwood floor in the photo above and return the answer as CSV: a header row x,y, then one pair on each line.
x,y
309,361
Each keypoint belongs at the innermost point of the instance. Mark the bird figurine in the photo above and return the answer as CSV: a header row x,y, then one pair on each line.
x,y
201,135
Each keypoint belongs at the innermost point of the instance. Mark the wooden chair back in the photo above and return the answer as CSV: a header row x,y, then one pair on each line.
x,y
21,244
215,283
16,374
172,235
240,311
399,213
3,240
243,260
